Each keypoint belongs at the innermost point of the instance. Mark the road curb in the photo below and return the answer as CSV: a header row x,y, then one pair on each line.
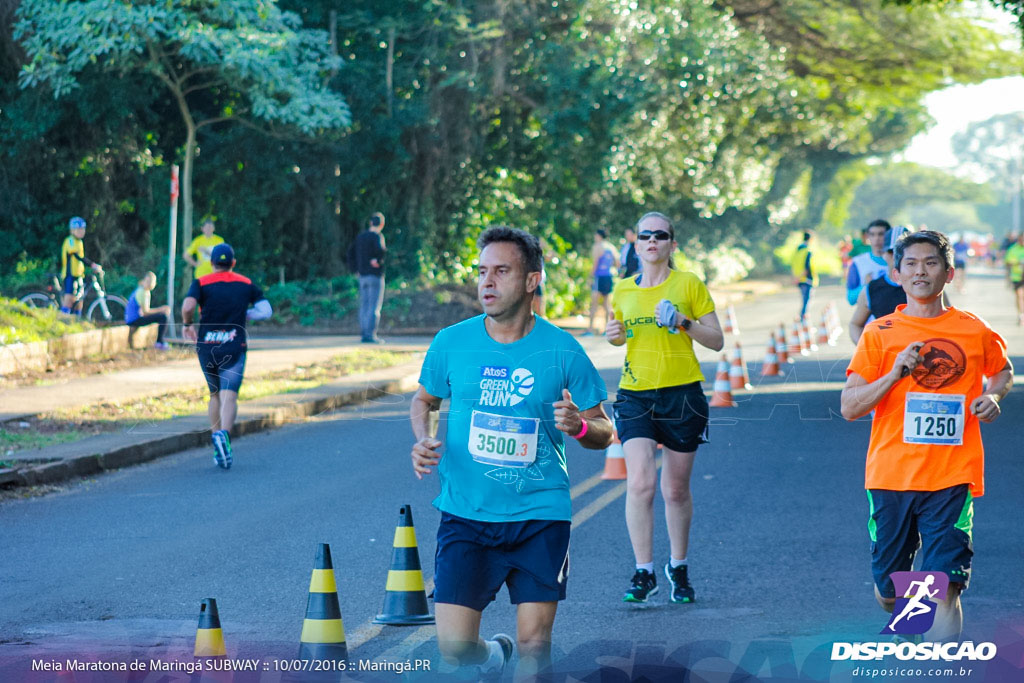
x,y
253,417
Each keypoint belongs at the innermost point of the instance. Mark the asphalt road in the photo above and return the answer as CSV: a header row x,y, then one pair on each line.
x,y
115,568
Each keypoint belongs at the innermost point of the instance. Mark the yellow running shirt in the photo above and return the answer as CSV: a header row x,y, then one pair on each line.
x,y
655,357
72,251
200,249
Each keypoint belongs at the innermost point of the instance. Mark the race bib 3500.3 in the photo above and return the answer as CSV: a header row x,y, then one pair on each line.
x,y
503,440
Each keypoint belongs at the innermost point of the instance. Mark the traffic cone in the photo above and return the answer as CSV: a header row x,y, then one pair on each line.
x,y
738,376
722,395
795,348
770,366
614,459
732,326
209,637
405,600
323,633
780,345
824,336
808,337
836,326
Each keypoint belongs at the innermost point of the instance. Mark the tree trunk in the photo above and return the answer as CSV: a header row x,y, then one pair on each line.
x,y
186,183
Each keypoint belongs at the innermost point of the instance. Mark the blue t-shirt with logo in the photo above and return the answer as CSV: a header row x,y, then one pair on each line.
x,y
502,458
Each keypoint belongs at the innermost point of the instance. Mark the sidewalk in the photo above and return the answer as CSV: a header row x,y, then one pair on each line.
x,y
147,441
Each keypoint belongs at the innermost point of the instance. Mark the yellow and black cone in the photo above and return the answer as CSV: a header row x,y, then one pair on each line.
x,y
405,600
323,633
209,637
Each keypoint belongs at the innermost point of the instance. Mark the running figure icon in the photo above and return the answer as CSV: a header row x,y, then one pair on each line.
x,y
915,606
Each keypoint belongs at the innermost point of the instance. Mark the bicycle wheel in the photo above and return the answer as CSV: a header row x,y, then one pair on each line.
x,y
38,300
112,314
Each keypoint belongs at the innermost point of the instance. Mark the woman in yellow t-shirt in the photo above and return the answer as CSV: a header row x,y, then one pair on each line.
x,y
198,253
658,315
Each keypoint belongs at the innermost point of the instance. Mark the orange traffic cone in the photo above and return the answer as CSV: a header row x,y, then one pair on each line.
x,y
824,337
732,326
780,345
770,366
209,637
795,347
808,337
614,459
738,377
722,395
405,598
323,633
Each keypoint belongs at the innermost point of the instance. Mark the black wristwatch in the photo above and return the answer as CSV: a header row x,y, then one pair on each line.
x,y
686,323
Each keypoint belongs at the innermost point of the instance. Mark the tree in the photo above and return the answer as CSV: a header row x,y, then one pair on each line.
x,y
994,149
228,60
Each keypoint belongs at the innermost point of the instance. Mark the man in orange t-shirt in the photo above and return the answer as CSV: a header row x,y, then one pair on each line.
x,y
920,369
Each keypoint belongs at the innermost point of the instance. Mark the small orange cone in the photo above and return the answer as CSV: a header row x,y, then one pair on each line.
x,y
795,347
738,376
780,345
770,366
722,395
209,637
614,459
824,338
808,337
731,324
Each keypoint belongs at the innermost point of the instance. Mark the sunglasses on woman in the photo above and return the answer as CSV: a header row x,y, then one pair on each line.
x,y
660,235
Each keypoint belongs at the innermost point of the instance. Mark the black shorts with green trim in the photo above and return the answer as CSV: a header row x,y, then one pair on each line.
x,y
932,525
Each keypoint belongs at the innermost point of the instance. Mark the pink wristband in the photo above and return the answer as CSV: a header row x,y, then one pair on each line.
x,y
583,432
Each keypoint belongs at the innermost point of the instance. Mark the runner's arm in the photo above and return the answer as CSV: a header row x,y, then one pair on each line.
x,y
860,397
860,316
260,310
707,331
188,317
423,417
569,420
986,406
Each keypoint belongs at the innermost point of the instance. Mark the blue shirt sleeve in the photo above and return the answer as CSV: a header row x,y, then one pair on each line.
x,y
195,290
434,373
853,285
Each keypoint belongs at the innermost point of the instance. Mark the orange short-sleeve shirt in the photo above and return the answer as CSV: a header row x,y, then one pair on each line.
x,y
959,349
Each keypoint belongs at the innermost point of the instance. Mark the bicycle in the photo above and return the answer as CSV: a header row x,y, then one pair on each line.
x,y
104,309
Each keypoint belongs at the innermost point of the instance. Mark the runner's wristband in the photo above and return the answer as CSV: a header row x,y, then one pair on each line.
x,y
583,432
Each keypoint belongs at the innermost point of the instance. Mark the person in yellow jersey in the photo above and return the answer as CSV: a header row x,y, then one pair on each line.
x,y
659,313
1014,260
72,267
198,253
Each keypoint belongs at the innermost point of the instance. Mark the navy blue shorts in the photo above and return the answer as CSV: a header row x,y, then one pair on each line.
x,y
676,417
603,284
474,559
73,285
936,523
223,369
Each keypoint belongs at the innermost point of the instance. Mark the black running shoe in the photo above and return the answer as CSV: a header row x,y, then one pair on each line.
x,y
643,586
682,591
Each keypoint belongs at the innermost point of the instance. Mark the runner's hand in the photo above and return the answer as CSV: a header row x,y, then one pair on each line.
x,y
907,360
425,455
190,332
97,268
567,415
615,331
986,407
667,316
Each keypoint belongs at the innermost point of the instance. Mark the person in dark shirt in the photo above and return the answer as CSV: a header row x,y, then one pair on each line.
x,y
370,250
629,259
882,295
224,298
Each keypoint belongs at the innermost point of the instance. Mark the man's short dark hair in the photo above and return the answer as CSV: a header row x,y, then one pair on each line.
x,y
807,237
529,246
940,241
602,232
878,221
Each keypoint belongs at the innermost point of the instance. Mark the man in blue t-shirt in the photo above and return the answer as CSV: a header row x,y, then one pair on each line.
x,y
517,384
870,265
224,298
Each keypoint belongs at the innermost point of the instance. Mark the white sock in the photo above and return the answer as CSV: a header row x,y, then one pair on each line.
x,y
675,563
649,566
495,657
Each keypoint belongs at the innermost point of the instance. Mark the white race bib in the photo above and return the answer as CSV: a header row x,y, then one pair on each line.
x,y
934,419
503,440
